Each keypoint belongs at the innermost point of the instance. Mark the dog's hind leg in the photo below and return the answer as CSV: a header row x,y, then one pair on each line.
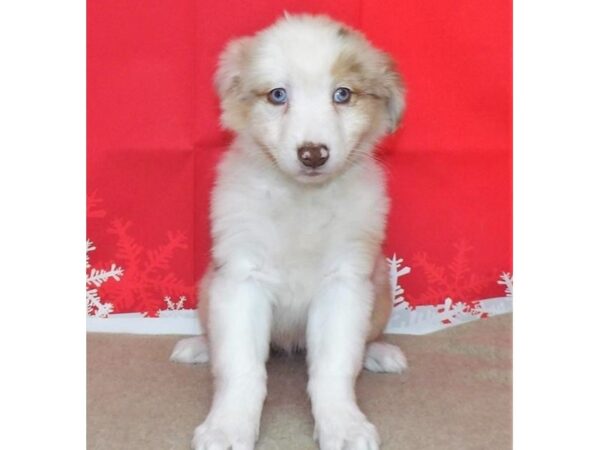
x,y
383,357
379,355
193,350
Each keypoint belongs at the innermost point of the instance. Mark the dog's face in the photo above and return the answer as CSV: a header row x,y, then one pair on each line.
x,y
313,95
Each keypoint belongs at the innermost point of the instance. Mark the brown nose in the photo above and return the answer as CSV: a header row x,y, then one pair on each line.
x,y
313,155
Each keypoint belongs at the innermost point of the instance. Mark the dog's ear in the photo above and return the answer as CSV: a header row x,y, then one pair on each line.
x,y
228,81
393,91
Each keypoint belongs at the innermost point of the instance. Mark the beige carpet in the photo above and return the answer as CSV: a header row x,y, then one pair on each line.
x,y
457,394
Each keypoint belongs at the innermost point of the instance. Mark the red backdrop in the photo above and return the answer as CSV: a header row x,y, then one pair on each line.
x,y
153,140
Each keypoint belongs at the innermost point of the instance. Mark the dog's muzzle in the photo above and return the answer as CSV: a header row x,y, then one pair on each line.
x,y
313,155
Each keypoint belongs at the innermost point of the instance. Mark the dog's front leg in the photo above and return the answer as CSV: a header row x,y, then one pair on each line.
x,y
337,329
239,330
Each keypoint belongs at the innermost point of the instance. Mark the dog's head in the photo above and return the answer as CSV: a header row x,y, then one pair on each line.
x,y
311,93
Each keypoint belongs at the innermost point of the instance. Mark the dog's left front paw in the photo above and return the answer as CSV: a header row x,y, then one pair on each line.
x,y
346,428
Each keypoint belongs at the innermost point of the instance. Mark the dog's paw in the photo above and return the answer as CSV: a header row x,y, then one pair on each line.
x,y
346,429
223,436
192,350
384,357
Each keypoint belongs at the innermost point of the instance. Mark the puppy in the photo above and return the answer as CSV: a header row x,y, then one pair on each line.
x,y
298,215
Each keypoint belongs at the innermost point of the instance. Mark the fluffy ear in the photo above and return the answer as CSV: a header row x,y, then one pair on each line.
x,y
228,81
394,92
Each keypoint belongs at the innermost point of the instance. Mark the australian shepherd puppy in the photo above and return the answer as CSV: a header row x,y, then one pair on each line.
x,y
298,215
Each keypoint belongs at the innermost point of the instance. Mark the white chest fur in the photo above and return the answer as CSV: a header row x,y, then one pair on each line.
x,y
290,236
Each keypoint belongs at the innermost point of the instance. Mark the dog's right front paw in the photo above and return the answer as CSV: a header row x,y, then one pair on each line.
x,y
212,436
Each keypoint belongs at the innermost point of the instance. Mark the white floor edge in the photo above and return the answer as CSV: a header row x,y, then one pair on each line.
x,y
420,320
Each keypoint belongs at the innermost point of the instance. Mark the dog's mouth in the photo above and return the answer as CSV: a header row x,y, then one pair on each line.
x,y
312,175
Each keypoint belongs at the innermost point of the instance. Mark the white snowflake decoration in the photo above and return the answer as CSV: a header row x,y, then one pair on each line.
x,y
94,279
428,318
396,271
456,312
507,280
171,306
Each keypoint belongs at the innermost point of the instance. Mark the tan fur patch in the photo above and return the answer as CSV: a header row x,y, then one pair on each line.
x,y
348,68
235,104
382,308
350,71
373,79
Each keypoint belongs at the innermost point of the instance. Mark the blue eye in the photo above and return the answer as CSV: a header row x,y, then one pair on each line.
x,y
277,96
342,95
